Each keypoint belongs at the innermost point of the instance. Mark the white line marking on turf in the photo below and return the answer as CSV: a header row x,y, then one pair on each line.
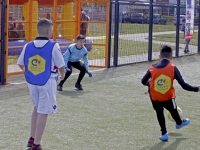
x,y
71,75
18,83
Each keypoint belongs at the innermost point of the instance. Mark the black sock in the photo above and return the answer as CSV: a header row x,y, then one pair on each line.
x,y
163,133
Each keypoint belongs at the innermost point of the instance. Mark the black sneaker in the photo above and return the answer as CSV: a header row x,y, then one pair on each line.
x,y
186,51
59,88
78,86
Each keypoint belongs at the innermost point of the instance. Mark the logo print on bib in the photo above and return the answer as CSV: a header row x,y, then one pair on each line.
x,y
36,64
162,84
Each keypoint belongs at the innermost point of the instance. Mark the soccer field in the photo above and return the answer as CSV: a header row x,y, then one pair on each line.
x,y
111,113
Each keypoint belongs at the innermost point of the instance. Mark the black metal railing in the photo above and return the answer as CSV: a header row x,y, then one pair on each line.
x,y
132,41
2,41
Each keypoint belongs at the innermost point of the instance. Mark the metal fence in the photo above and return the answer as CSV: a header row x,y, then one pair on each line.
x,y
67,18
2,38
135,40
128,41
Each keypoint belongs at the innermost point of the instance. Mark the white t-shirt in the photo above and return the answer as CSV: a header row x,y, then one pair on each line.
x,y
57,58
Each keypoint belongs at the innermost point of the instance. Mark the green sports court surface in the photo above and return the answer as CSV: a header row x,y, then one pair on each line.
x,y
111,113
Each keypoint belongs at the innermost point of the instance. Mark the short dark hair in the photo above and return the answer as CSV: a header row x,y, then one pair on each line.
x,y
166,51
80,36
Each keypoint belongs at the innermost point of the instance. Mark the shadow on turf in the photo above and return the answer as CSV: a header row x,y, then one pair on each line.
x,y
72,93
175,134
172,146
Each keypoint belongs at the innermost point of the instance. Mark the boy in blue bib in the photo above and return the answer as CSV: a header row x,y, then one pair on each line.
x,y
40,60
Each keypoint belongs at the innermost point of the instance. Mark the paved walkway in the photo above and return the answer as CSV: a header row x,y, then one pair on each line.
x,y
142,37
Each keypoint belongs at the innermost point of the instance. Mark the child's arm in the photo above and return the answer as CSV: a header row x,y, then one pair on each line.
x,y
66,56
20,60
58,60
22,67
145,79
62,72
181,81
86,62
85,58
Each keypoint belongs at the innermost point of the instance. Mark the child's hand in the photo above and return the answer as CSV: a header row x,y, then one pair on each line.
x,y
89,73
148,82
199,88
67,69
62,77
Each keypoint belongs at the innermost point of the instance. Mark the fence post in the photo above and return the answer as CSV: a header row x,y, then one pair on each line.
x,y
199,28
177,27
109,37
116,33
3,20
150,30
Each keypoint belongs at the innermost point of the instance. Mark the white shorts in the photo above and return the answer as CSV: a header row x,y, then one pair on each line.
x,y
44,97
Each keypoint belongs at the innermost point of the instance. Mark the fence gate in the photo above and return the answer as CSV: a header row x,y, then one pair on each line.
x,y
2,39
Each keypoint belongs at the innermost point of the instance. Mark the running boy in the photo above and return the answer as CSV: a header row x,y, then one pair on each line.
x,y
160,78
39,60
72,58
186,27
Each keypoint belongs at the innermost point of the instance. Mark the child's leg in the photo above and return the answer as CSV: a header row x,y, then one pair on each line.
x,y
161,120
40,125
67,74
33,122
171,106
34,94
47,105
80,66
33,127
160,115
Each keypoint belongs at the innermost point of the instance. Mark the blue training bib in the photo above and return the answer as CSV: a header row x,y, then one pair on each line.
x,y
38,63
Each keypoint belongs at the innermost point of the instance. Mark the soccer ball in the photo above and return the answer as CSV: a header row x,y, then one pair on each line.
x,y
179,111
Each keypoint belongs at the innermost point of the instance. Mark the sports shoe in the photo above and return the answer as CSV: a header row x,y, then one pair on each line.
x,y
78,86
185,122
186,51
36,147
164,137
30,142
59,88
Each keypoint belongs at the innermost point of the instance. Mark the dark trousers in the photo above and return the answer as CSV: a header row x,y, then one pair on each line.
x,y
171,106
187,42
78,65
83,31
